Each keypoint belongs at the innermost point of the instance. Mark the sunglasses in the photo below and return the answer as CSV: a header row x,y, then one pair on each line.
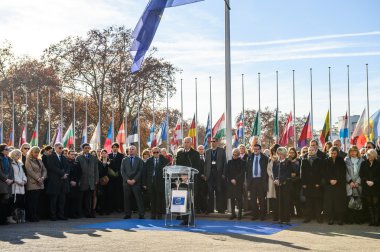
x,y
60,148
304,152
25,148
213,141
6,149
155,152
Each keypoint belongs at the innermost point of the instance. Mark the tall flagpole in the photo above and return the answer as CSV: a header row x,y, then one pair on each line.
x,y
154,121
181,113
228,79
113,116
243,109
85,115
259,92
196,112
37,120
330,103
49,117
61,120
26,114
99,121
138,119
125,118
294,112
167,117
211,104
13,118
277,126
311,104
2,117
259,112
74,119
349,105
368,126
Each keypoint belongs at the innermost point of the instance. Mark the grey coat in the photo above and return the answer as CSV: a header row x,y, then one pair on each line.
x,y
352,176
135,172
221,162
4,188
90,173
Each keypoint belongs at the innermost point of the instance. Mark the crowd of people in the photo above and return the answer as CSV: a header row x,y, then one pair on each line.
x,y
57,183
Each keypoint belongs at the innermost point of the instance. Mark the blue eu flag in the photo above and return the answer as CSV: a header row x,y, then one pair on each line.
x,y
147,26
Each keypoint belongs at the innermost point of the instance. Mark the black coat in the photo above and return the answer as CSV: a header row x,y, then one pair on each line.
x,y
311,175
157,181
370,173
189,159
55,171
115,164
282,171
75,174
235,170
336,193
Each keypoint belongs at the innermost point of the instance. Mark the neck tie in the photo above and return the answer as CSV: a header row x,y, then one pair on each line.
x,y
59,158
256,171
131,161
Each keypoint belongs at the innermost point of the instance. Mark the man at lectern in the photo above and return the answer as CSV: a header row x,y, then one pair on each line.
x,y
190,158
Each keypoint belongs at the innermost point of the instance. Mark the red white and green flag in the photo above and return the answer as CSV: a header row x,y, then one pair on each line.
x,y
34,140
68,138
219,129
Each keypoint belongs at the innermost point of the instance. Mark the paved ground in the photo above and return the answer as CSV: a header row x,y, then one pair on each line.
x,y
63,236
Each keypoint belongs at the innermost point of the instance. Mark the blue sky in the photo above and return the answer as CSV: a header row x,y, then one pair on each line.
x,y
266,36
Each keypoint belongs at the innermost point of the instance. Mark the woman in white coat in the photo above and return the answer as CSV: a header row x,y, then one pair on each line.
x,y
271,194
17,199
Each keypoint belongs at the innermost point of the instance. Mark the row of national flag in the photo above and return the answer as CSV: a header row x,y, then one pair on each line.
x,y
364,131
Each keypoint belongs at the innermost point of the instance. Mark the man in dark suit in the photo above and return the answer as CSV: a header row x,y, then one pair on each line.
x,y
74,205
58,172
320,154
115,185
215,166
257,180
89,179
131,172
190,158
154,183
201,184
337,143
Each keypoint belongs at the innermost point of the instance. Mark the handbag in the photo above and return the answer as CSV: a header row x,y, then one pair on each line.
x,y
355,203
104,180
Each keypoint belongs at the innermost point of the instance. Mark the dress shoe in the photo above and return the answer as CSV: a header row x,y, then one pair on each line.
x,y
53,218
62,218
141,217
262,218
127,217
254,218
184,223
153,217
331,222
233,216
306,221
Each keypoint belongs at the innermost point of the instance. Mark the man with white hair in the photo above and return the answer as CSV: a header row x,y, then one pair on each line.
x,y
190,158
337,143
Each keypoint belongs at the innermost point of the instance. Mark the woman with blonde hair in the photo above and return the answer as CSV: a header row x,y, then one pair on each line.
x,y
18,187
36,174
271,194
282,170
235,170
354,186
370,179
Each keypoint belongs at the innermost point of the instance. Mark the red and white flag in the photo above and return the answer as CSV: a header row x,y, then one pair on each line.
x,y
288,131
